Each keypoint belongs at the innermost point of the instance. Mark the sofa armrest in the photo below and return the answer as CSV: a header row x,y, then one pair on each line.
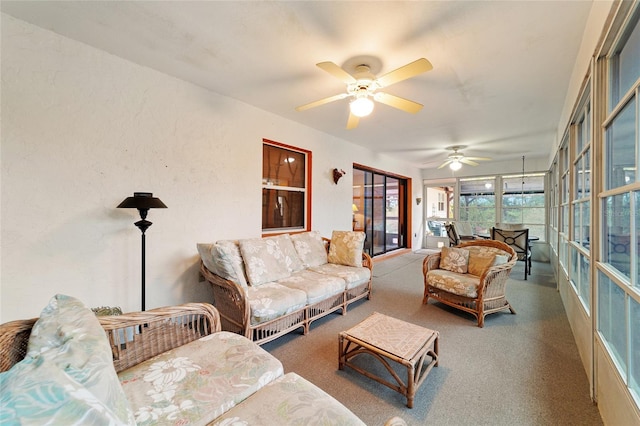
x,y
137,336
230,300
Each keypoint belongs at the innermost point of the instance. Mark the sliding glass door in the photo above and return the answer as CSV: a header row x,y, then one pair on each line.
x,y
379,205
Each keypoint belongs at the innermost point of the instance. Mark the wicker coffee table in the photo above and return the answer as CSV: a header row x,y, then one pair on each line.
x,y
390,339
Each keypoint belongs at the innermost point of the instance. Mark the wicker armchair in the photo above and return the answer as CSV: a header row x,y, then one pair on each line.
x,y
490,289
134,337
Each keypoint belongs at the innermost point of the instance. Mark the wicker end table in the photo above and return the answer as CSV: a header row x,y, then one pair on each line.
x,y
390,339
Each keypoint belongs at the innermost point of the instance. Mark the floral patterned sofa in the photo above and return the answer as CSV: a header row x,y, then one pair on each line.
x,y
164,366
267,287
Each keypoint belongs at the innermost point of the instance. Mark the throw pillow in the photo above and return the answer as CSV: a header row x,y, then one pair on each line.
x,y
454,259
310,248
228,261
204,250
479,262
67,376
346,248
264,260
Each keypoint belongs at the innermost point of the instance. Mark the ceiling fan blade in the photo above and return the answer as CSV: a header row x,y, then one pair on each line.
x,y
469,162
337,72
410,70
445,163
398,102
353,121
478,158
322,102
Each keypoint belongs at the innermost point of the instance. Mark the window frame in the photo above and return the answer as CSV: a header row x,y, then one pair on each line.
x,y
306,190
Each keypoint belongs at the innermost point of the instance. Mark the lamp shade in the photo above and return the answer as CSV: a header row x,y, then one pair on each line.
x,y
142,200
455,165
361,106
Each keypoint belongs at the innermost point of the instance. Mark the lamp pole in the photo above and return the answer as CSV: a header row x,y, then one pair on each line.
x,y
143,201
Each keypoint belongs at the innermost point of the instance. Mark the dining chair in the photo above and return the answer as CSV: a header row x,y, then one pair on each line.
x,y
452,234
518,239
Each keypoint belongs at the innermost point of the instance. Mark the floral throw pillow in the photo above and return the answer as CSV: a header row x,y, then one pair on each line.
x,y
454,259
346,248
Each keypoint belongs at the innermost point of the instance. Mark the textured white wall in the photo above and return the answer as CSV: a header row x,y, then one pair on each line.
x,y
83,129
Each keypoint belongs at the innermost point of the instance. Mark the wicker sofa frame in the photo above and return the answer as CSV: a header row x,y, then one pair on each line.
x,y
491,296
235,313
154,331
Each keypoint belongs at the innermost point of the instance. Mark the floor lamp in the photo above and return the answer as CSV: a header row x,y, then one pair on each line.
x,y
143,201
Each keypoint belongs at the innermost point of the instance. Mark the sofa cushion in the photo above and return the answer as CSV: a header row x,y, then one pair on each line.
x,y
453,282
228,261
353,276
346,248
454,259
289,400
272,300
199,381
310,248
290,254
316,286
264,260
67,376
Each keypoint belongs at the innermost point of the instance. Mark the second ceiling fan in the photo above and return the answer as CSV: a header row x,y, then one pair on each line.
x,y
456,158
362,87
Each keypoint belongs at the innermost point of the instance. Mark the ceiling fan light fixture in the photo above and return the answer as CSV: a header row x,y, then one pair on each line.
x,y
455,165
361,106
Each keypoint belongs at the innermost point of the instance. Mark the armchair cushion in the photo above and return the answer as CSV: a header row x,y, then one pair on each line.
x,y
346,248
310,248
454,259
453,282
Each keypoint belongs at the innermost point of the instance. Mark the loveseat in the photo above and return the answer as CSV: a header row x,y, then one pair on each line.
x,y
164,366
267,287
471,276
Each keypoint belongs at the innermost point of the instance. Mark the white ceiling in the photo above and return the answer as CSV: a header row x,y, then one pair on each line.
x,y
500,68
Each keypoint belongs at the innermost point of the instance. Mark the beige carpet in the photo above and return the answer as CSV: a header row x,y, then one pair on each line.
x,y
519,369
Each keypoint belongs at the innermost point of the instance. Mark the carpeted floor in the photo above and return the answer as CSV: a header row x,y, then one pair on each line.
x,y
519,369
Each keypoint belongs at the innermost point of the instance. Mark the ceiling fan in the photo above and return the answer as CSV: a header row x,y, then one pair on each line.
x,y
362,88
456,158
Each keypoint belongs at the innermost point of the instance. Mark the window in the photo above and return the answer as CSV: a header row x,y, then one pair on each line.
x,y
580,272
523,202
441,199
285,179
478,203
564,194
618,278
